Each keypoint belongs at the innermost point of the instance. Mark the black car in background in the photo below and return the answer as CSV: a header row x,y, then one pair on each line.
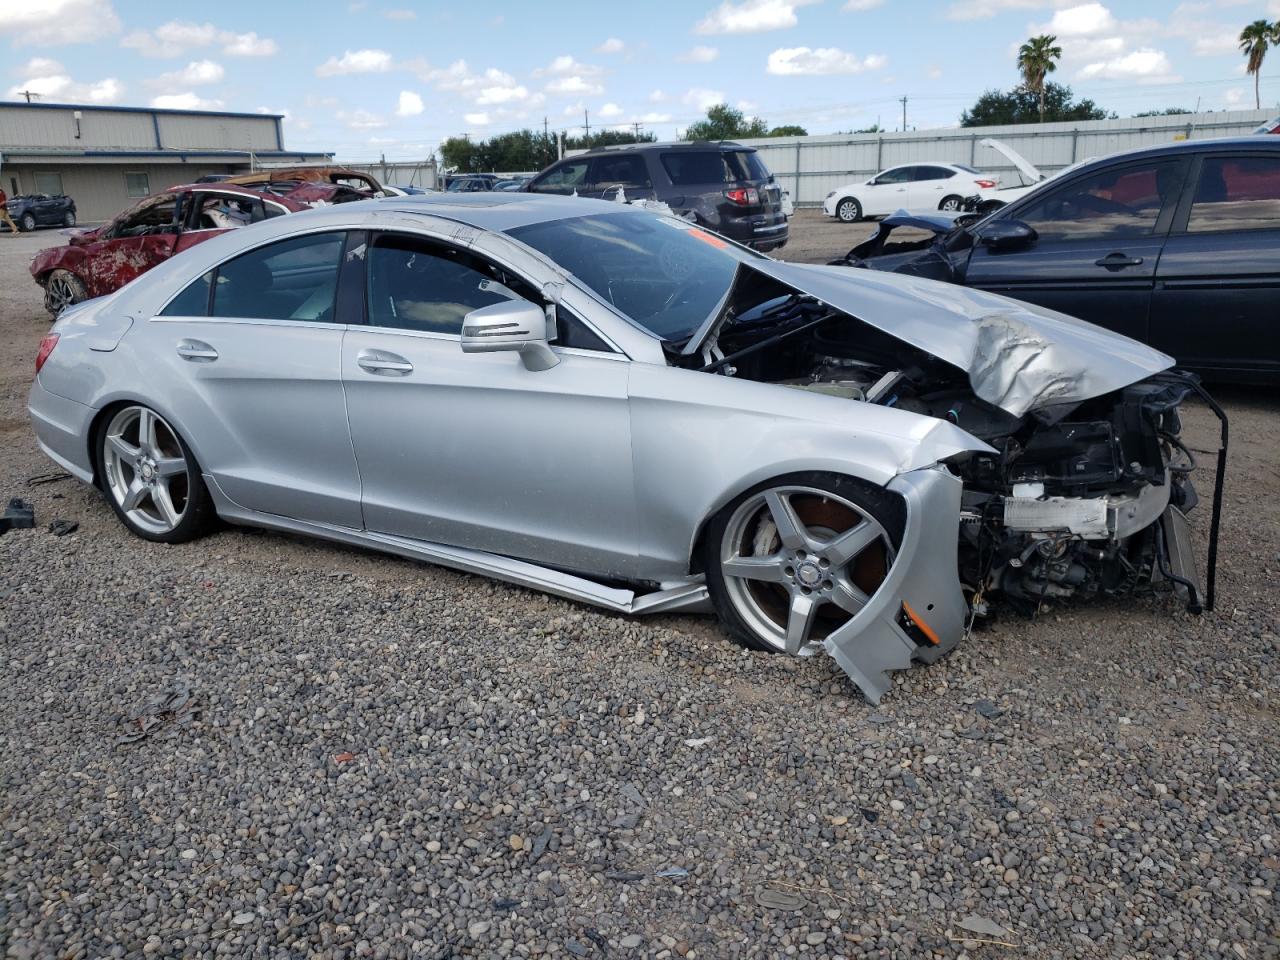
x,y
42,210
1177,246
722,186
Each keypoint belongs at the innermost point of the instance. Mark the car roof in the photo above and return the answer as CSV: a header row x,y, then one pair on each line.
x,y
1252,144
669,145
492,210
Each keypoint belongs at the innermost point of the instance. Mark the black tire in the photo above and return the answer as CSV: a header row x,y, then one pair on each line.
x,y
951,203
848,210
62,288
884,507
69,219
26,223
198,517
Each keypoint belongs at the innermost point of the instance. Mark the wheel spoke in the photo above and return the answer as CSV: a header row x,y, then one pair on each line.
x,y
123,448
843,548
147,432
133,495
171,466
755,568
799,621
164,503
791,531
848,597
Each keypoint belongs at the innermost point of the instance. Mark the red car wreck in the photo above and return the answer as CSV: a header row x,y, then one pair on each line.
x,y
97,262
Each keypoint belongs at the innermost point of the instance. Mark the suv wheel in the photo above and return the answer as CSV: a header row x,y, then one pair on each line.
x,y
26,223
69,220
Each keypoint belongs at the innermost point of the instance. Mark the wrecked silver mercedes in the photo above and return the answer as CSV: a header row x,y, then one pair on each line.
x,y
621,408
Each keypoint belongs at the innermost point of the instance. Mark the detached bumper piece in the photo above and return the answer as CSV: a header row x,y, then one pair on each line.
x,y
18,515
918,614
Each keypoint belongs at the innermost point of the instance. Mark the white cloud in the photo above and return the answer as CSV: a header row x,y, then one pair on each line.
x,y
47,23
1145,66
185,101
699,54
655,118
491,87
751,16
612,45
574,86
854,6
986,9
702,98
1234,97
1087,19
804,61
1208,37
176,37
566,65
355,61
657,96
935,72
476,119
361,120
609,110
399,15
410,104
194,74
50,80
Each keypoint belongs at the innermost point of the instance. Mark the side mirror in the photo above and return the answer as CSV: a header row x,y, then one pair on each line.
x,y
513,325
1007,235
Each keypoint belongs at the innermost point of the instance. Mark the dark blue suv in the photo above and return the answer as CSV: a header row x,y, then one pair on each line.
x,y
1177,246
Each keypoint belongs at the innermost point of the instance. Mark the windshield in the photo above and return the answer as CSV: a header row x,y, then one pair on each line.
x,y
665,274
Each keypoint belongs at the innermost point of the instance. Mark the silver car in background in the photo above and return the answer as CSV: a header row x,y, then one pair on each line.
x,y
621,408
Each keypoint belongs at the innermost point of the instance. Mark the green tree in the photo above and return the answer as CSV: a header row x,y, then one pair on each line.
x,y
1037,58
788,130
723,122
1255,40
607,138
996,107
1166,112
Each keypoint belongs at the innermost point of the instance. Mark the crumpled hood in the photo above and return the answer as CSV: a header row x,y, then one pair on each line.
x,y
1019,357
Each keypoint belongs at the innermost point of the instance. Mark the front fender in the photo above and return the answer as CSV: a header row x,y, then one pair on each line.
x,y
55,258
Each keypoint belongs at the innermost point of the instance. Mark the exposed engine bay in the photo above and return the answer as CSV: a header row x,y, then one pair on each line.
x,y
1078,499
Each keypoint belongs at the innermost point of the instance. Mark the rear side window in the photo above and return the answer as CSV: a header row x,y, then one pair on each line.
x,y
746,165
627,170
193,301
687,167
565,178
292,279
933,173
900,175
1108,204
1236,193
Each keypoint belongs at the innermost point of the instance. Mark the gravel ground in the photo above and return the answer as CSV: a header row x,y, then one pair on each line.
x,y
374,757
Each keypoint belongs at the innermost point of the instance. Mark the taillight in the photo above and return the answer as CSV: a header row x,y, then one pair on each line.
x,y
985,184
743,196
47,343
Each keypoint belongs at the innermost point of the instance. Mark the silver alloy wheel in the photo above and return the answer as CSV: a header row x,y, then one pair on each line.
x,y
146,471
847,210
950,204
799,562
59,293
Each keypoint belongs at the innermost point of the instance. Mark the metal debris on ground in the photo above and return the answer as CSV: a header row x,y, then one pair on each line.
x,y
780,899
982,930
987,709
174,708
540,846
19,515
596,937
879,718
624,876
60,528
43,478
672,873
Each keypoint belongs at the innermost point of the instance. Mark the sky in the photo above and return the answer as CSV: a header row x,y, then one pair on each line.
x,y
393,77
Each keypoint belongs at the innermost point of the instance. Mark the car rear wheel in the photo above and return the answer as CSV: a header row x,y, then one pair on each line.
x,y
151,478
796,558
26,223
849,210
61,290
69,220
951,204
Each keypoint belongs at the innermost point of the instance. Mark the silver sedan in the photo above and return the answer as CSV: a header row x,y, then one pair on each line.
x,y
618,407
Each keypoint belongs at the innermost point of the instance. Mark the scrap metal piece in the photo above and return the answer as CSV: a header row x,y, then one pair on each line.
x,y
19,515
60,528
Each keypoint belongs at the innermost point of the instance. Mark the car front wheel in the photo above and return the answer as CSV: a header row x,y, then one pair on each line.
x,y
69,219
151,478
849,210
26,223
794,559
61,290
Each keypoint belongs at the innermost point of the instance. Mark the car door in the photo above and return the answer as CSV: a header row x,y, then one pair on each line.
x,y
476,450
627,172
1099,237
48,210
257,342
928,185
887,192
132,245
1216,306
564,178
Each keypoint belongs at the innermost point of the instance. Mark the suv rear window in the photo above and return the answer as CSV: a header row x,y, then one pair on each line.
x,y
690,167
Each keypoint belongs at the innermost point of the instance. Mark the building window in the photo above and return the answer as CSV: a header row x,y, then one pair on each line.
x,y
50,183
137,185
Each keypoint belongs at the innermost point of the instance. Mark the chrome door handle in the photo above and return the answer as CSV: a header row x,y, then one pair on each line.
x,y
197,351
383,363
1114,261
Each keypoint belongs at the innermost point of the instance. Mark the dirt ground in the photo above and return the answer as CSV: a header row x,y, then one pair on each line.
x,y
1134,772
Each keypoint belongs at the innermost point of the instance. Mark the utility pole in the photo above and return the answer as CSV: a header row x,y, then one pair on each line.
x,y
636,125
28,94
586,126
904,114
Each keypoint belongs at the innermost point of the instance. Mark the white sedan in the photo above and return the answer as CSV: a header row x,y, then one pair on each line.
x,y
912,186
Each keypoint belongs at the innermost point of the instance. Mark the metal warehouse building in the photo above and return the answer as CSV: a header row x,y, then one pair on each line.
x,y
105,158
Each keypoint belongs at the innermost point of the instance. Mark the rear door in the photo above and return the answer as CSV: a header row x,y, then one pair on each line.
x,y
1216,305
930,184
1099,240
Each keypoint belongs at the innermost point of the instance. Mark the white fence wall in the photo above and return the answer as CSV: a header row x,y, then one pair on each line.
x,y
811,167
416,173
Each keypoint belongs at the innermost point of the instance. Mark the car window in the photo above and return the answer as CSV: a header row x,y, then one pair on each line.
x,y
562,179
193,301
933,173
900,175
627,169
746,165
214,211
1236,193
419,284
293,279
1109,203
694,167
157,216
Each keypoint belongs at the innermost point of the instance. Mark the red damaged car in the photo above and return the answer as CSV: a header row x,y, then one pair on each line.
x,y
97,262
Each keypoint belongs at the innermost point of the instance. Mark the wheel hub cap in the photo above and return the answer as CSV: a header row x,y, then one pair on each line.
x,y
808,573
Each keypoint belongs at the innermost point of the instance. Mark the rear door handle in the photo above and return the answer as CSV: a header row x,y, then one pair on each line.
x,y
383,363
1115,261
197,351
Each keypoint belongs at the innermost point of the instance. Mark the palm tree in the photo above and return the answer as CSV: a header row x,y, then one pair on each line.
x,y
1254,41
1036,58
